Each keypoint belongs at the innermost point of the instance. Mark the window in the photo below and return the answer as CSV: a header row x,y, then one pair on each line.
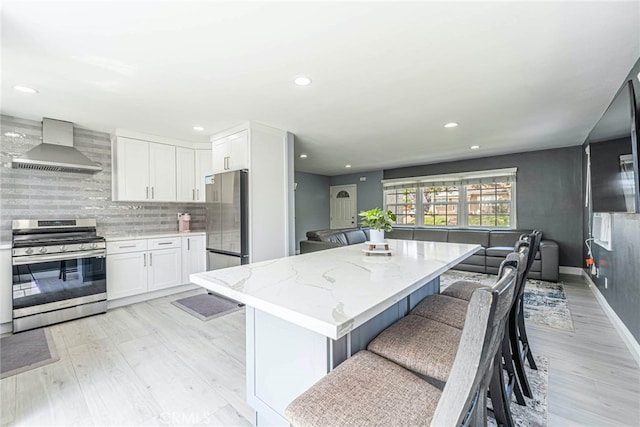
x,y
471,199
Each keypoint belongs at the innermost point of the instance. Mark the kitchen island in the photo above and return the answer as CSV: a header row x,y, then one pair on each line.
x,y
307,314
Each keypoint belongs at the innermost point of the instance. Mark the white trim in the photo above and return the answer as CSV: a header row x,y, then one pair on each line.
x,y
451,177
574,271
155,138
629,340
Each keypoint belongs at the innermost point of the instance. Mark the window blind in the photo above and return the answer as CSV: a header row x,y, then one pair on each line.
x,y
453,179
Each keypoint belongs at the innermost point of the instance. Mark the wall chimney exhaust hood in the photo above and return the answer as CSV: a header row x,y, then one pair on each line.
x,y
56,152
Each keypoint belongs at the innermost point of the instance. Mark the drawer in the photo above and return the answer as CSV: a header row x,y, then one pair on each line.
x,y
166,243
124,246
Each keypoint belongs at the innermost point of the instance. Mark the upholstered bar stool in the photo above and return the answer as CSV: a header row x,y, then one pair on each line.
x,y
428,346
369,390
519,343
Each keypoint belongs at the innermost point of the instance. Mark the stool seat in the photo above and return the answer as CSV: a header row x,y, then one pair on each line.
x,y
463,289
366,390
444,309
419,344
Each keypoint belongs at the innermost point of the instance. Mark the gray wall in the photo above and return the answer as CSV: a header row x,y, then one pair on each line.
x,y
32,194
621,267
549,195
369,191
312,204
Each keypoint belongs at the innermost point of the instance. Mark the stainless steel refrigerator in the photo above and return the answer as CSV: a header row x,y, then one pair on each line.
x,y
227,219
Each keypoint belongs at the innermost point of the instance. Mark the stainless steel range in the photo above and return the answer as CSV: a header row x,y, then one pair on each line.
x,y
59,271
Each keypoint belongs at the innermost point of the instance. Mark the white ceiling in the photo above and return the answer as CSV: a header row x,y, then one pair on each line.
x,y
386,75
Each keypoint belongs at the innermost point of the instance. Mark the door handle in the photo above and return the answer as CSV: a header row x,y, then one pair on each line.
x,y
144,260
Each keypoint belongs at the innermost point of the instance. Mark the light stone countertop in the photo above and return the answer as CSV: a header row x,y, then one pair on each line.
x,y
153,236
334,291
5,245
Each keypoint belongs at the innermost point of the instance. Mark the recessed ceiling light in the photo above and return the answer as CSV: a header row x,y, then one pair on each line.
x,y
347,166
451,125
303,156
302,81
25,89
198,128
474,147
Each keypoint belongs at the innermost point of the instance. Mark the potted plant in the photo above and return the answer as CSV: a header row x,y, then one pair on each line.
x,y
378,221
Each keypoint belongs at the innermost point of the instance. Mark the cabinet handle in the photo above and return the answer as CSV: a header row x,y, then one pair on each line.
x,y
147,196
226,163
152,193
188,244
164,243
127,246
197,194
150,259
144,260
193,194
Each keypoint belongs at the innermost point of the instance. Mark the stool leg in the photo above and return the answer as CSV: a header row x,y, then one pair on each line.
x,y
518,355
513,385
501,409
522,335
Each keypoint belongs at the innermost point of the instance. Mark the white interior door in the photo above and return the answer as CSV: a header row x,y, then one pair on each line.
x,y
343,206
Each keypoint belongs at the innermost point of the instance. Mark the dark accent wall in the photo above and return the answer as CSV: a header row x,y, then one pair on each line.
x,y
548,192
621,266
369,191
312,204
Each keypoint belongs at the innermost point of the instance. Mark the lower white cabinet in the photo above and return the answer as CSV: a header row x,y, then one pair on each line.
x,y
194,258
143,265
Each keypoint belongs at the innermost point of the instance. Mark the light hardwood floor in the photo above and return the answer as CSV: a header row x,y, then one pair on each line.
x,y
153,364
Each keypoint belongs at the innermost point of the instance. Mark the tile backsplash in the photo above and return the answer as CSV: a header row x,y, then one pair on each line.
x,y
35,194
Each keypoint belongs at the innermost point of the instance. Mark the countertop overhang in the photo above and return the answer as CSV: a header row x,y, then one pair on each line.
x,y
334,291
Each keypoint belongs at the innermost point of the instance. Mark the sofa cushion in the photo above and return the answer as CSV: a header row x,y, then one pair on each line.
x,y
499,251
316,234
505,237
479,237
400,233
337,237
431,235
355,236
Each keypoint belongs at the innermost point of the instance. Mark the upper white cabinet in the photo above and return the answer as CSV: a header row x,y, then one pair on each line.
x,y
192,167
144,170
230,152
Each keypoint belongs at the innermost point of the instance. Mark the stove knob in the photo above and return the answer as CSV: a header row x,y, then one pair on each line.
x,y
82,247
94,245
29,251
63,248
43,250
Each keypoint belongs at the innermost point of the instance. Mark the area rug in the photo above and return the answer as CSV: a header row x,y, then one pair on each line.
x,y
535,413
206,306
25,351
545,303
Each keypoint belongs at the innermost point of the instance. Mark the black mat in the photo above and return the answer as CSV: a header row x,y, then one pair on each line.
x,y
26,350
206,306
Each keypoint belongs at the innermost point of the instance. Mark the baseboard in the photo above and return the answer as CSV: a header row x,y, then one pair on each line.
x,y
574,271
120,302
629,340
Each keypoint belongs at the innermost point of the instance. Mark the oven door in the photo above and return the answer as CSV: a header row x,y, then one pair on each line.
x,y
45,283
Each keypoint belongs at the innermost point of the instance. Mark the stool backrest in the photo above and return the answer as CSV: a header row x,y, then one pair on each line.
x,y
533,239
481,339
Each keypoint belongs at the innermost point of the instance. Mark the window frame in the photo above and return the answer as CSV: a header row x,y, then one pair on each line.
x,y
461,181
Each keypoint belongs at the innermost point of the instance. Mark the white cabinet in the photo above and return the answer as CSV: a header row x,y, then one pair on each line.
x,y
144,171
192,167
138,266
126,274
204,163
193,256
231,152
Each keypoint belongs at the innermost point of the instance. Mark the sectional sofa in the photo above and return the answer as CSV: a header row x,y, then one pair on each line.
x,y
496,244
